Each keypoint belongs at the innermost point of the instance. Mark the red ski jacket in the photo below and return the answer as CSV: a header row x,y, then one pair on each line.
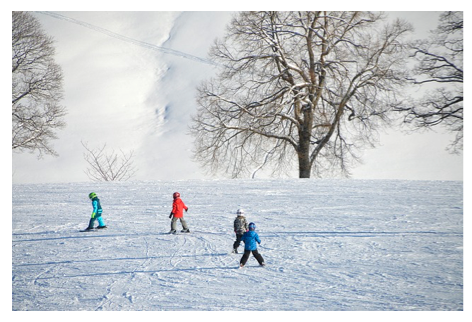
x,y
178,208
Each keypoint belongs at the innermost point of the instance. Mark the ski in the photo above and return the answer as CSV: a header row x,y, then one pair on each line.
x,y
178,233
241,267
93,229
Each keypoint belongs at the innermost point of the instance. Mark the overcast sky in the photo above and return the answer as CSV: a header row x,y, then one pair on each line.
x,y
135,98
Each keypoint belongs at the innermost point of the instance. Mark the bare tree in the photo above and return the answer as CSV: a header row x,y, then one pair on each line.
x,y
311,87
109,166
439,71
36,87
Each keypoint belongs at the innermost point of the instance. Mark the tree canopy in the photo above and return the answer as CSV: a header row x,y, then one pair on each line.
x,y
438,73
298,87
36,87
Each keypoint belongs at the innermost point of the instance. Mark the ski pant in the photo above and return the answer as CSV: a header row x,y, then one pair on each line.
x,y
256,254
238,241
101,223
173,223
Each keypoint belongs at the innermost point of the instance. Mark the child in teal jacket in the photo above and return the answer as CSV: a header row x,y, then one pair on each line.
x,y
96,213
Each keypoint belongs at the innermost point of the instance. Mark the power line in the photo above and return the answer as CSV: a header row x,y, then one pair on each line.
x,y
128,39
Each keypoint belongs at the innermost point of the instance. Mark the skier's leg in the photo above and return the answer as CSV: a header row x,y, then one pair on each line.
x,y
184,224
237,243
258,257
245,257
101,223
91,222
173,224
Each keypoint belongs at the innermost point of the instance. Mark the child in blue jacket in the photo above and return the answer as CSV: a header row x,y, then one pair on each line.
x,y
250,238
96,212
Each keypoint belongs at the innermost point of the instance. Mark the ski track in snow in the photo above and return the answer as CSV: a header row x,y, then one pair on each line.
x,y
329,245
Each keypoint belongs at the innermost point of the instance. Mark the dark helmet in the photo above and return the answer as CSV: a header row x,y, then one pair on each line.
x,y
92,195
176,195
252,226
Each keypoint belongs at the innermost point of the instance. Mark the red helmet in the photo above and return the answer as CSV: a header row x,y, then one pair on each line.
x,y
176,195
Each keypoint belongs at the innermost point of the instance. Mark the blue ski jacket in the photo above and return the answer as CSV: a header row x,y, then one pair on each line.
x,y
250,238
97,208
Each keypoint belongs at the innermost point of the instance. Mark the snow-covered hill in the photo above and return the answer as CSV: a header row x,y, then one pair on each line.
x,y
329,245
122,89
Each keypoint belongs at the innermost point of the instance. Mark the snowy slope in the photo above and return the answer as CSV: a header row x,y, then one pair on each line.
x,y
329,245
134,97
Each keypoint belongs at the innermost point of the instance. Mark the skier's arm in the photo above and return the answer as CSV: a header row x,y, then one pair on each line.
x,y
174,209
95,208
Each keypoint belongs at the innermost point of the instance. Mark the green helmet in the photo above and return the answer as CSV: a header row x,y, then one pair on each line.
x,y
92,195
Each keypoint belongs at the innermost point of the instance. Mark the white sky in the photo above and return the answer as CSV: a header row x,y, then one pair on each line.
x,y
116,93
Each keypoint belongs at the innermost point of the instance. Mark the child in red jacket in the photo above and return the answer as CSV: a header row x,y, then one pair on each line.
x,y
178,207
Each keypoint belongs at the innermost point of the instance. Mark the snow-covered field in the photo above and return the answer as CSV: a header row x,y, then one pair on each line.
x,y
329,245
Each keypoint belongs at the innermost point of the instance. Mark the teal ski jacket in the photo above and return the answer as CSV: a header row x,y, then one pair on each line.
x,y
97,208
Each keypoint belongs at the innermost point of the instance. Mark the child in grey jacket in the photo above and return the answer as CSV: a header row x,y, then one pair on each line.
x,y
240,227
